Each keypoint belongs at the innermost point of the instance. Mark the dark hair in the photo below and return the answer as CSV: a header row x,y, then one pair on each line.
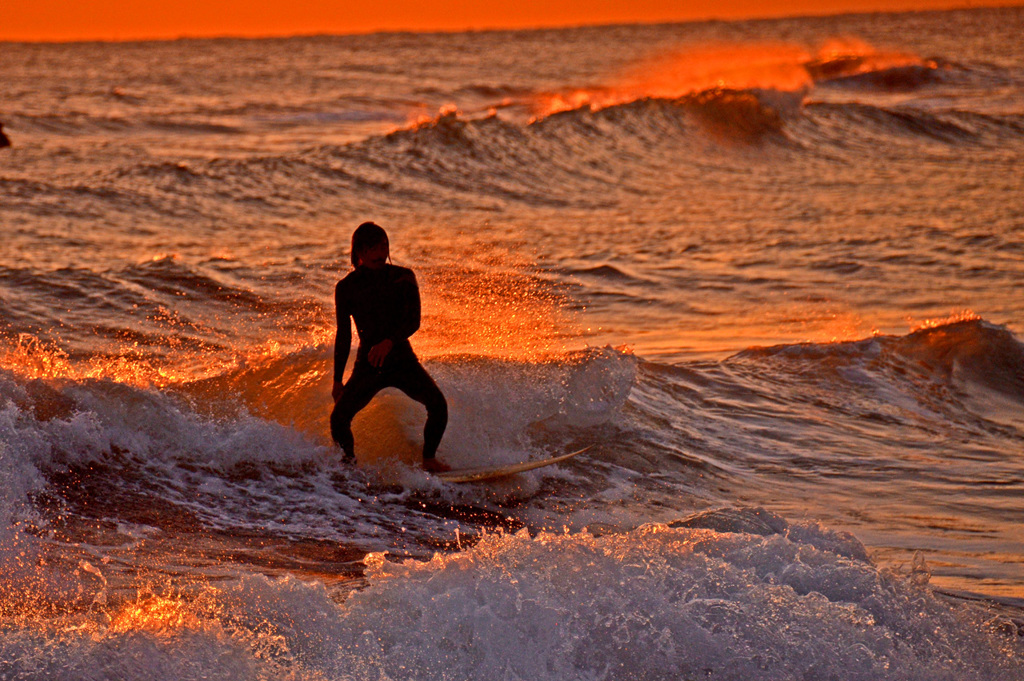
x,y
367,235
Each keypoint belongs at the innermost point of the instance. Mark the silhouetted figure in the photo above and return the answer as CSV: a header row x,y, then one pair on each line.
x,y
384,301
4,140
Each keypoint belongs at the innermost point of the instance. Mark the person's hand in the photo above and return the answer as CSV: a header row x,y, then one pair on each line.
x,y
379,351
337,390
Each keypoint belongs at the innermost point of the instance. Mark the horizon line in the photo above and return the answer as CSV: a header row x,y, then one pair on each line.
x,y
968,6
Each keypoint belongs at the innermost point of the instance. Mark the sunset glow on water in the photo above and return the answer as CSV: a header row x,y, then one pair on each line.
x,y
765,272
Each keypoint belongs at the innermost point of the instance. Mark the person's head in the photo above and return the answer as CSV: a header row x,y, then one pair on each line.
x,y
370,246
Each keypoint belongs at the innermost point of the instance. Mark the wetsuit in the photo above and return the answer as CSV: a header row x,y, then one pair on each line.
x,y
385,304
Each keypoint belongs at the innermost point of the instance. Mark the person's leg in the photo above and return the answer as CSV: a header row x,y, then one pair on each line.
x,y
415,382
360,389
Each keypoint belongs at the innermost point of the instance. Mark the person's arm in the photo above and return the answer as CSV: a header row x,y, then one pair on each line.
x,y
342,341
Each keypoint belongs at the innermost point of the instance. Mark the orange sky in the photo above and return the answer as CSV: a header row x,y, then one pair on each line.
x,y
137,19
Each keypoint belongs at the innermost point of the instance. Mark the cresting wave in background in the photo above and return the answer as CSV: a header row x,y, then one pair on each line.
x,y
769,271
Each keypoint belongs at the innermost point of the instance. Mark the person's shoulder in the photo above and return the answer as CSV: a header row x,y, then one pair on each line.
x,y
355,274
346,282
401,274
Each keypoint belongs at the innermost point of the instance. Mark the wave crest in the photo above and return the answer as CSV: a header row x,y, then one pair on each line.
x,y
964,351
971,350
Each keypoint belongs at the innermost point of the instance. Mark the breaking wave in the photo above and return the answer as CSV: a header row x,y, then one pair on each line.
x,y
659,602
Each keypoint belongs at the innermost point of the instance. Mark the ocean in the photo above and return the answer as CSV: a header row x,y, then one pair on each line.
x,y
769,272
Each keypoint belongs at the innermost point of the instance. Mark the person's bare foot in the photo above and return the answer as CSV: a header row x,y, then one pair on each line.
x,y
435,466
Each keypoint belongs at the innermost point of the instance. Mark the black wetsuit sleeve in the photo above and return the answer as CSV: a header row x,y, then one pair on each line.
x,y
408,321
343,340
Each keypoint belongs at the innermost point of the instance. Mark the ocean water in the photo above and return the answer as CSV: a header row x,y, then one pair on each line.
x,y
768,271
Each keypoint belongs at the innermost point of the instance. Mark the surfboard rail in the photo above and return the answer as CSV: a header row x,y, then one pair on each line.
x,y
494,472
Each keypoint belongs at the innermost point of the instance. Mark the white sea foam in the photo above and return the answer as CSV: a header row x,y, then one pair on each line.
x,y
654,603
237,470
663,603
499,407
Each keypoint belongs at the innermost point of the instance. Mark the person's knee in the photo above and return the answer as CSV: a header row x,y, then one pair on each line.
x,y
341,416
438,406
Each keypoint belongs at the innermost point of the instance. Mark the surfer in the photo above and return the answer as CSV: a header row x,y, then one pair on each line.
x,y
384,301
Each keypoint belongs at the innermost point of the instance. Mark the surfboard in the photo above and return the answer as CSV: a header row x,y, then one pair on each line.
x,y
494,472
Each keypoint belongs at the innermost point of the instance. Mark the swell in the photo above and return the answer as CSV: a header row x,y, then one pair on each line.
x,y
860,122
582,157
116,292
582,152
231,121
84,124
569,159
155,322
941,408
967,351
972,351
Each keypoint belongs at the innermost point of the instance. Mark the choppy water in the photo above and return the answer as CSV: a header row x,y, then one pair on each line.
x,y
768,271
